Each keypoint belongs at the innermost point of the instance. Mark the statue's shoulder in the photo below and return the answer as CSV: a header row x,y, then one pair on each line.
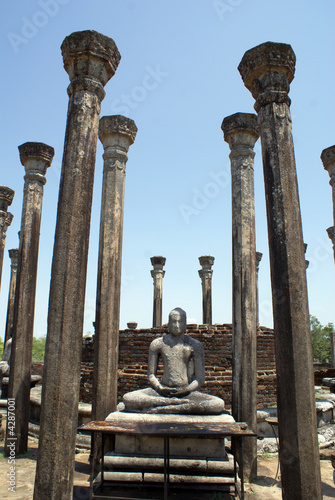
x,y
156,343
196,344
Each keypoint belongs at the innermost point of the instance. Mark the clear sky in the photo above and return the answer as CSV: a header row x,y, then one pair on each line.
x,y
177,80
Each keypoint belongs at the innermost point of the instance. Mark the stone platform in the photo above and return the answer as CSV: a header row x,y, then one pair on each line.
x,y
180,447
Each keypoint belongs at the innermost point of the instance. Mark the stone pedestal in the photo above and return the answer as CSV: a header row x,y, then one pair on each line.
x,y
14,257
91,60
6,198
116,133
205,273
36,157
158,274
179,446
267,71
241,132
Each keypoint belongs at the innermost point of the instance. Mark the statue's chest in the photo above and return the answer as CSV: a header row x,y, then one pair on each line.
x,y
178,353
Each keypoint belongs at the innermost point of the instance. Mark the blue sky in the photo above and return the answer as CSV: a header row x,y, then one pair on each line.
x,y
177,80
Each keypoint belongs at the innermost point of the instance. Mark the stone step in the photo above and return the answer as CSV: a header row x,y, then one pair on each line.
x,y
207,482
147,463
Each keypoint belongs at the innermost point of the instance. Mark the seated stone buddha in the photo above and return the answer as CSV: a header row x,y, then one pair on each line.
x,y
183,374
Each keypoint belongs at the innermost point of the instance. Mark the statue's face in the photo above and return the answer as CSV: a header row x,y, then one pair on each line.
x,y
177,323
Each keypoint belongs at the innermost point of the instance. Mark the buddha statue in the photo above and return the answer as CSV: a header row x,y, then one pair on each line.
x,y
183,374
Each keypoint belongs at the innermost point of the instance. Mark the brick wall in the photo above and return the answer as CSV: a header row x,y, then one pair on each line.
x,y
217,342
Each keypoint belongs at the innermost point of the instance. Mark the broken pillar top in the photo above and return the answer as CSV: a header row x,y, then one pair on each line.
x,y
116,128
330,232
6,197
328,160
9,219
90,54
267,71
243,126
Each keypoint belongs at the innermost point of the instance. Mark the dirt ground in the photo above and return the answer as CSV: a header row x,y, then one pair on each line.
x,y
266,487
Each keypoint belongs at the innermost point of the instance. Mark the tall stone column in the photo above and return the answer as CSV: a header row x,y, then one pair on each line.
x,y
331,235
116,133
14,257
205,273
267,71
36,157
241,132
259,256
91,60
6,198
157,273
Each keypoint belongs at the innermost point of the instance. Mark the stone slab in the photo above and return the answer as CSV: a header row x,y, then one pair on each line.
x,y
179,446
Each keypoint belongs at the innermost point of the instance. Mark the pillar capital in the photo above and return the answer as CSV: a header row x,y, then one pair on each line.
x,y
328,160
8,220
14,255
90,59
116,133
36,157
330,232
206,262
158,263
259,256
6,198
240,129
267,71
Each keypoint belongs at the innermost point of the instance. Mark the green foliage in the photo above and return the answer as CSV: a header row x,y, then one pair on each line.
x,y
321,339
38,348
1,348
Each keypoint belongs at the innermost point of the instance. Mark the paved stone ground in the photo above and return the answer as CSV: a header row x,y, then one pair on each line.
x,y
266,487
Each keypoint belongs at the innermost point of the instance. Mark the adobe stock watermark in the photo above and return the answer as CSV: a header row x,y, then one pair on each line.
x,y
152,79
31,26
11,444
223,7
201,198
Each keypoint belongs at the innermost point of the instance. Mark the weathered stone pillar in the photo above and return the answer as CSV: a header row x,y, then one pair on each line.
x,y
91,60
36,157
328,160
267,71
259,256
332,346
116,133
331,235
6,198
14,257
206,262
241,132
158,274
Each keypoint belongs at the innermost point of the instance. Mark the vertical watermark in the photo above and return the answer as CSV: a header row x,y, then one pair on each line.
x,y
11,445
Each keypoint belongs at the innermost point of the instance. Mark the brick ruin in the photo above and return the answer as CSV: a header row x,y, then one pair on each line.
x,y
217,342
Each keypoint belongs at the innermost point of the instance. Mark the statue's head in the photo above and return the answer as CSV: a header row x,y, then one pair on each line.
x,y
177,321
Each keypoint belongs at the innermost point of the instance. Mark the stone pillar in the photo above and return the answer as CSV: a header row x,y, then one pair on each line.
x,y
330,232
328,160
332,346
91,60
267,71
158,274
36,157
241,132
6,198
206,262
14,257
259,256
116,133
